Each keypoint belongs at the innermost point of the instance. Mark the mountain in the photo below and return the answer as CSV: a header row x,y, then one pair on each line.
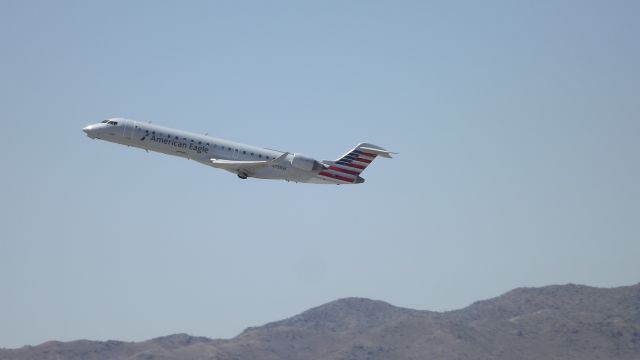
x,y
553,322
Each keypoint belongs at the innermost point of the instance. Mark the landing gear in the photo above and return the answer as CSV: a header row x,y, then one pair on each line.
x,y
243,175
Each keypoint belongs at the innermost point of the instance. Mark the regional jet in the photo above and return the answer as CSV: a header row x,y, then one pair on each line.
x,y
243,160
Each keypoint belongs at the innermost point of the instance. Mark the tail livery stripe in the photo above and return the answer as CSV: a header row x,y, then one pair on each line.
x,y
354,155
363,160
347,167
368,154
333,176
362,153
346,163
335,168
355,158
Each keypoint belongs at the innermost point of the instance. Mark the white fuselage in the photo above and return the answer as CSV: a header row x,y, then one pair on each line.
x,y
203,149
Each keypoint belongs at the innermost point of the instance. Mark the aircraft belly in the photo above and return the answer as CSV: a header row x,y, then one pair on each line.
x,y
282,173
269,173
319,180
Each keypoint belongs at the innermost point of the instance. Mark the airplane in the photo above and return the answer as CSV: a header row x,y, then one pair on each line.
x,y
243,160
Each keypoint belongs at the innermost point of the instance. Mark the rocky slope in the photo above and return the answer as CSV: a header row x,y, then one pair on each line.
x,y
553,322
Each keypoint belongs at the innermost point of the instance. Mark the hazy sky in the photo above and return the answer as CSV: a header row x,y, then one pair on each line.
x,y
517,124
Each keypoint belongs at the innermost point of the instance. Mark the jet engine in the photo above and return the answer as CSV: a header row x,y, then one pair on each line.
x,y
305,163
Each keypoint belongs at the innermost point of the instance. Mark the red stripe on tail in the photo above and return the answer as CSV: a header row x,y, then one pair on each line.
x,y
344,170
354,166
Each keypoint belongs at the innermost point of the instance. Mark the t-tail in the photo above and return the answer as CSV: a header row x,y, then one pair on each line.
x,y
348,167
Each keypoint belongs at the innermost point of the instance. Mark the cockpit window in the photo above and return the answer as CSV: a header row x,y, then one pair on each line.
x,y
112,122
104,121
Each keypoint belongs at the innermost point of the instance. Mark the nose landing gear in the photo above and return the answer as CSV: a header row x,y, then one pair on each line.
x,y
243,175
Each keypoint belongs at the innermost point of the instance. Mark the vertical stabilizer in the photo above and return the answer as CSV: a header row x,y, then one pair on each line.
x,y
350,165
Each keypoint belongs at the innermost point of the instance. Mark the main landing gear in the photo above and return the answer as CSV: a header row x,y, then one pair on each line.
x,y
243,175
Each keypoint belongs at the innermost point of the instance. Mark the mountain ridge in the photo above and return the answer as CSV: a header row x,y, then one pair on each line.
x,y
556,322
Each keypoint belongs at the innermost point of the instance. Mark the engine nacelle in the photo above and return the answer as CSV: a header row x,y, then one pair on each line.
x,y
305,163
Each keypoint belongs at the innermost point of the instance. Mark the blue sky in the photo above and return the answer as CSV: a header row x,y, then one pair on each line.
x,y
516,123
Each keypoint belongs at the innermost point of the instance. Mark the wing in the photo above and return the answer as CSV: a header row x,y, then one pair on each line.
x,y
247,166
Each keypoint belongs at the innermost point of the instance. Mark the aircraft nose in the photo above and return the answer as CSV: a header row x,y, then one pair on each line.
x,y
88,130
